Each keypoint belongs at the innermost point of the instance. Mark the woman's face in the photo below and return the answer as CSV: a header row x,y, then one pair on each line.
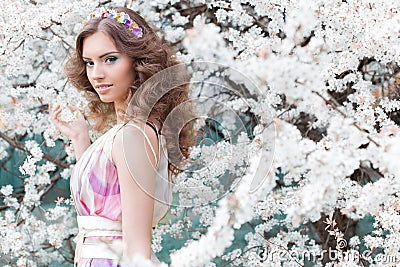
x,y
109,71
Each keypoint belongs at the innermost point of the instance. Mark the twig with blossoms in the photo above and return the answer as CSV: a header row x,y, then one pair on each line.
x,y
334,105
335,232
21,147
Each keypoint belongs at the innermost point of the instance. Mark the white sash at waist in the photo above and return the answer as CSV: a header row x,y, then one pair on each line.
x,y
96,226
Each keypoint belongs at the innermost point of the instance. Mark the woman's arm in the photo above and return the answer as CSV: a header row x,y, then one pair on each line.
x,y
135,164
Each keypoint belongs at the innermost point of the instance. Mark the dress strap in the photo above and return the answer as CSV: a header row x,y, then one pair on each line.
x,y
148,140
154,128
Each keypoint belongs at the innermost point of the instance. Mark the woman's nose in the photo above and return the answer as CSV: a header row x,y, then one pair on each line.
x,y
97,72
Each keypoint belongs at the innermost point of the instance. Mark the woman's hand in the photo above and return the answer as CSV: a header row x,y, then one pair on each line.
x,y
76,131
72,129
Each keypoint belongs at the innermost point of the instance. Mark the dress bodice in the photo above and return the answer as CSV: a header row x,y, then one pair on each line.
x,y
94,180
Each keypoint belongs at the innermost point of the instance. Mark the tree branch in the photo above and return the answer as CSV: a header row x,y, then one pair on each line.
x,y
334,105
21,147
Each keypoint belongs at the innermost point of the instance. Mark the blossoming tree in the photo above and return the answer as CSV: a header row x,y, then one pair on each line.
x,y
298,126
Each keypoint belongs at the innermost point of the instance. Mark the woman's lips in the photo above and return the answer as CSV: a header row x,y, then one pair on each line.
x,y
104,89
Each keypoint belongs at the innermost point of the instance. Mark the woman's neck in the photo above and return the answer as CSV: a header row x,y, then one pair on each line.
x,y
119,112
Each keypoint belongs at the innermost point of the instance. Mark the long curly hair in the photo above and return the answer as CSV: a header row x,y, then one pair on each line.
x,y
156,100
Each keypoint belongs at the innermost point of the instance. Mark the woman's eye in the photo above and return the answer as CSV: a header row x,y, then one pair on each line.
x,y
88,63
110,59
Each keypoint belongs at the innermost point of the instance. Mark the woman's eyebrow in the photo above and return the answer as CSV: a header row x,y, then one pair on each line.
x,y
114,52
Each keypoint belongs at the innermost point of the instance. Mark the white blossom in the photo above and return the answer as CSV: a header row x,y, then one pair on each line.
x,y
6,190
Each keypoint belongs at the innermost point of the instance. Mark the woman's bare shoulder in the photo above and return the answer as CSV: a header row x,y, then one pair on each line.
x,y
133,135
134,130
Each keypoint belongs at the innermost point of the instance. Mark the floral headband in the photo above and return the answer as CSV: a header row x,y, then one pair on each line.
x,y
120,17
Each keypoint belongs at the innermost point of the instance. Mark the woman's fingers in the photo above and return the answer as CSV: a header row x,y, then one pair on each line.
x,y
56,111
52,108
72,108
72,128
78,114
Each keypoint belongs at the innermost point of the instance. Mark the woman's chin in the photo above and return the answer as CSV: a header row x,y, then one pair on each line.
x,y
105,100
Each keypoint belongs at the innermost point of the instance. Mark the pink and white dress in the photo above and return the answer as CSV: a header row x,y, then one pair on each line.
x,y
95,189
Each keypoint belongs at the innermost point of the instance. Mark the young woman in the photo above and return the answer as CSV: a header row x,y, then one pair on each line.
x,y
120,183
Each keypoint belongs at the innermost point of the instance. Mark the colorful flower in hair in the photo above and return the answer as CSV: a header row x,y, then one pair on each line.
x,y
120,17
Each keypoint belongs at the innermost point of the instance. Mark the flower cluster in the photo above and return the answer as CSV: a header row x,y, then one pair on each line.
x,y
120,17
